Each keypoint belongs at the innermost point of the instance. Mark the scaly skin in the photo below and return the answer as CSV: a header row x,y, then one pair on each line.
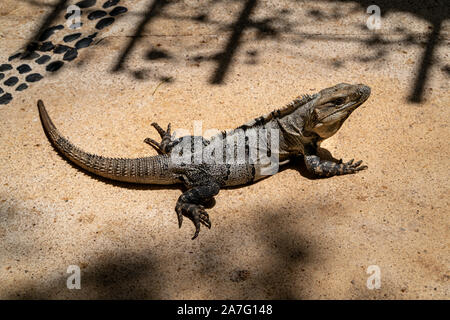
x,y
302,125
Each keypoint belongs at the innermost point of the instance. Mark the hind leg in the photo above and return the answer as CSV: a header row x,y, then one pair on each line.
x,y
190,205
166,144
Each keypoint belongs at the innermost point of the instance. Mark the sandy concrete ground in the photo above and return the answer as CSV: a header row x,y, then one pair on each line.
x,y
288,236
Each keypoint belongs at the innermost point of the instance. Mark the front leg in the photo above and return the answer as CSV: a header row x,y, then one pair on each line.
x,y
325,168
189,204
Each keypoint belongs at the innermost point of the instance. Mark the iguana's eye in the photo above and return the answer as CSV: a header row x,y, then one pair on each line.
x,y
339,101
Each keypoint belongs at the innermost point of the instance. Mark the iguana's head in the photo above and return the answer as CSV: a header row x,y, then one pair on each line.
x,y
332,106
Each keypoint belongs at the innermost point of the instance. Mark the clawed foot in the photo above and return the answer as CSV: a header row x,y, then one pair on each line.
x,y
196,213
166,143
350,167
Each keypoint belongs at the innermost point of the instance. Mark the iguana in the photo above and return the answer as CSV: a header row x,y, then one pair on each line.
x,y
300,126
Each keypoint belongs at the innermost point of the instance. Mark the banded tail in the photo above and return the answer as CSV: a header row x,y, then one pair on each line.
x,y
151,170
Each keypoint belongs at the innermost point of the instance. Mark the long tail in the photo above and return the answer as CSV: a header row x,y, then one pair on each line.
x,y
152,170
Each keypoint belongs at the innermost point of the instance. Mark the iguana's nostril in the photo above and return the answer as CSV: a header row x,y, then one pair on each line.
x,y
364,91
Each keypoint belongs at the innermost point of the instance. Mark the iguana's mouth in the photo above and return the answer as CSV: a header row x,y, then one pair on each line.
x,y
349,107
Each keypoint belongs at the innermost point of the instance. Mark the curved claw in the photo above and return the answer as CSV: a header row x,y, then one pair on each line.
x,y
198,216
180,219
357,163
197,229
196,213
204,219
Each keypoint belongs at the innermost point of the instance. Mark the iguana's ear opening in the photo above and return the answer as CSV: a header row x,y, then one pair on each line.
x,y
315,113
314,117
310,119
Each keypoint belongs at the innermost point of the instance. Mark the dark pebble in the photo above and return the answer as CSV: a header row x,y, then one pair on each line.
x,y
22,87
60,48
72,37
83,43
14,56
110,3
30,55
6,98
24,68
42,60
2,75
5,67
104,23
1,91
34,77
118,10
46,46
97,14
49,32
86,3
11,81
71,54
92,36
54,66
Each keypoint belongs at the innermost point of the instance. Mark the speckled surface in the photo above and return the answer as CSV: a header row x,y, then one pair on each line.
x,y
288,236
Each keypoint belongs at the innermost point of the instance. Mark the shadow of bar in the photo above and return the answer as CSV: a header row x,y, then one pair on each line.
x,y
154,10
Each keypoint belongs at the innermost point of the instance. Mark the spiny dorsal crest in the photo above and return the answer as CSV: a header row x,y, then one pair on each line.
x,y
279,113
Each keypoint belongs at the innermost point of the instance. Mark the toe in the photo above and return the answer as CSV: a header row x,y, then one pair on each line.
x,y
357,163
197,230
